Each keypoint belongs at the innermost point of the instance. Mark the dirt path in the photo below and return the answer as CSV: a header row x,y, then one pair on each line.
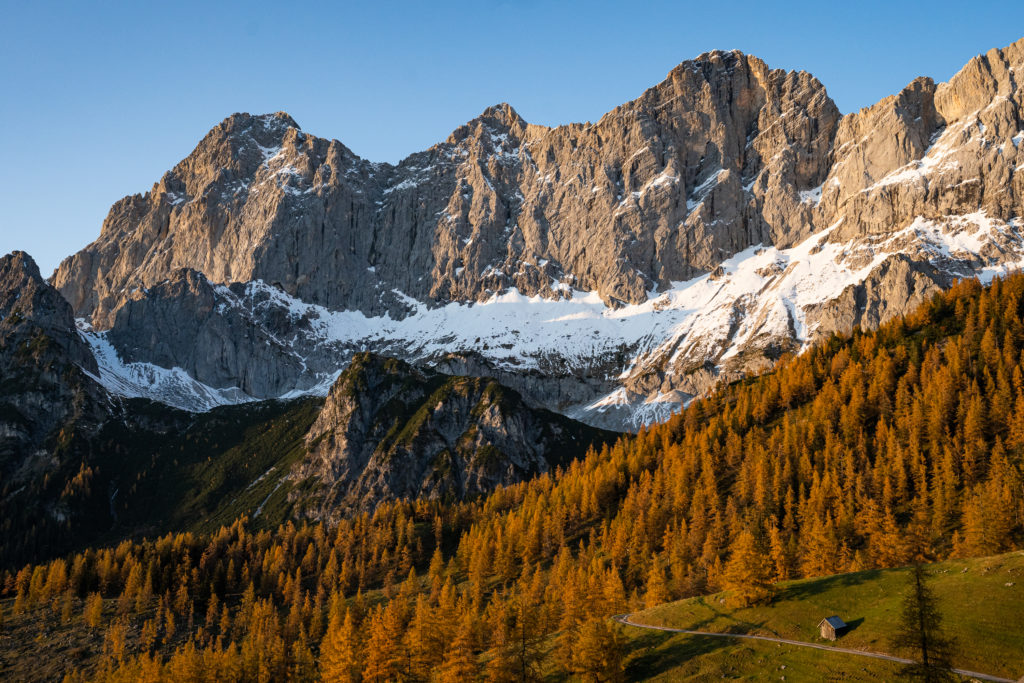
x,y
624,619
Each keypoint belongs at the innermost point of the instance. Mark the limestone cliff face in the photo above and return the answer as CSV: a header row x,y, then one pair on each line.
x,y
186,321
730,209
658,190
389,431
924,187
931,151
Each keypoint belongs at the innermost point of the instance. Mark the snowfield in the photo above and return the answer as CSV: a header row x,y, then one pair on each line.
x,y
172,386
760,293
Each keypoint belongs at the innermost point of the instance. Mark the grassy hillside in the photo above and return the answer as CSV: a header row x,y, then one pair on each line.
x,y
664,657
981,611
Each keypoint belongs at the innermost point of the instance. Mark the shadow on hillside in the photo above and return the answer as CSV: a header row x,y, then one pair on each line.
x,y
653,653
734,625
807,589
852,625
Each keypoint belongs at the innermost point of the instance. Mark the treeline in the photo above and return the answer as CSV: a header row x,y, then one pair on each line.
x,y
866,451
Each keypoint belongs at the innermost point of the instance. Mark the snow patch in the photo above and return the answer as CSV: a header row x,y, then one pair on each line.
x,y
703,190
934,160
812,196
173,386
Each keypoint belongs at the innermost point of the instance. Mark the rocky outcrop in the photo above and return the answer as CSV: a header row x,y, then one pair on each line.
x,y
391,431
932,151
899,285
49,404
30,308
42,358
186,321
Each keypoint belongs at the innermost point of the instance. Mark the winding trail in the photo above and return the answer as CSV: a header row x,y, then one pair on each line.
x,y
624,619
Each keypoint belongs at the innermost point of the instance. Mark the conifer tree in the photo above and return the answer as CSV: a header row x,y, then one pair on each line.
x,y
303,665
93,612
920,632
383,651
460,663
779,556
501,667
656,588
598,654
423,639
339,650
747,573
527,639
67,603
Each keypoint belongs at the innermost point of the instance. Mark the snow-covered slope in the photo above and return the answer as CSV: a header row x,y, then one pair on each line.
x,y
766,301
653,356
172,386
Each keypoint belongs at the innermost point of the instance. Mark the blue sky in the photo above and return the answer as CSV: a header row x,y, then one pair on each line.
x,y
99,99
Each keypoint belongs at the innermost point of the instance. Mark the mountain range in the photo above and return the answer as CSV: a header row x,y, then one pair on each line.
x,y
609,271
295,415
440,327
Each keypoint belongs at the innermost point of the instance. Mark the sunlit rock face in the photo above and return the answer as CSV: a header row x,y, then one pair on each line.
x,y
611,271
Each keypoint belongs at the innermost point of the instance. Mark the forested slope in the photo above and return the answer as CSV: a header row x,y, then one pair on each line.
x,y
863,452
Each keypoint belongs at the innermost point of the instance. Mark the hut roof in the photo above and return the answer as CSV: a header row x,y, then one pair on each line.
x,y
834,622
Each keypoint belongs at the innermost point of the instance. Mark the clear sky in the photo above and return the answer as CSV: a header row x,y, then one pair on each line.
x,y
98,99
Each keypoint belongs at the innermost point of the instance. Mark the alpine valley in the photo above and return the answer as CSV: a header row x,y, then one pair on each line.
x,y
299,415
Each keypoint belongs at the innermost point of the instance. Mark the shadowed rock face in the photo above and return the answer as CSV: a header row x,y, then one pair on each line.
x,y
48,406
725,154
41,361
30,307
184,322
388,430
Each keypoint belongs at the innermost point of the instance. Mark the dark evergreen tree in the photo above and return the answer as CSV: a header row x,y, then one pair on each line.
x,y
920,632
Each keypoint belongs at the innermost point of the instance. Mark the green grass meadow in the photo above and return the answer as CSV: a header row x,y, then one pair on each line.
x,y
982,601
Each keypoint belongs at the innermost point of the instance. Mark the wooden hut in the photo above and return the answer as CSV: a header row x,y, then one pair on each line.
x,y
832,627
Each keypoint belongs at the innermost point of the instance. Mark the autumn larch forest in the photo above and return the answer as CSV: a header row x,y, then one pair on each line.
x,y
866,451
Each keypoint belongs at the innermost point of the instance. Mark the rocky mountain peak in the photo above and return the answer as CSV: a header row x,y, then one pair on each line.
x,y
717,62
18,274
234,150
31,311
981,82
500,116
389,430
263,128
22,289
19,261
497,120
727,168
